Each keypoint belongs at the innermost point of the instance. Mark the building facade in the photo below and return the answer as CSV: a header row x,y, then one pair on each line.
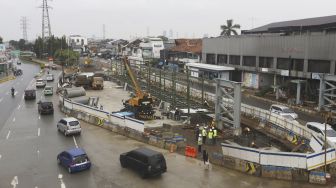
x,y
277,53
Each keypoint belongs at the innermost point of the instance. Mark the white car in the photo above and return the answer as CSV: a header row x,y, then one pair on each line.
x,y
48,90
69,126
40,83
319,128
283,110
50,77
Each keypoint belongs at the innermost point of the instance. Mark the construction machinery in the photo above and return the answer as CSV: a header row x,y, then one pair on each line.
x,y
141,103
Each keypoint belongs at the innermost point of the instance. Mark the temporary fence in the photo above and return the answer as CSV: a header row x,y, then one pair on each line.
x,y
102,116
281,159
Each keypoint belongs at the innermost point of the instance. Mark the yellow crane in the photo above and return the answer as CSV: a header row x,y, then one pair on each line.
x,y
141,103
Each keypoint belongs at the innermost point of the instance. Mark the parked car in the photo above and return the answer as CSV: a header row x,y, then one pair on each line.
x,y
29,94
74,160
69,126
319,128
40,83
283,110
48,90
18,62
50,78
145,161
45,107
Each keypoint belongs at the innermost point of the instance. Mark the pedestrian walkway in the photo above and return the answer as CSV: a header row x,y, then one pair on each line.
x,y
6,78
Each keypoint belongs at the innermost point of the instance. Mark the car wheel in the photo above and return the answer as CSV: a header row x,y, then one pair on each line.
x,y
69,170
58,161
143,175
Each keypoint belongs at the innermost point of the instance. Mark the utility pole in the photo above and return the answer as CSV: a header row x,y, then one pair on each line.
x,y
24,27
103,31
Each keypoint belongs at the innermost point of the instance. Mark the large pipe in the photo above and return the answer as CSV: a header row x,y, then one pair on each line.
x,y
74,92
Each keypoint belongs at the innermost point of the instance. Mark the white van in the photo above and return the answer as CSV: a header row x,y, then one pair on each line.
x,y
319,128
283,111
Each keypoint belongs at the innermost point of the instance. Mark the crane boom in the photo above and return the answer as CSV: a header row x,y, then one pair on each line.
x,y
138,91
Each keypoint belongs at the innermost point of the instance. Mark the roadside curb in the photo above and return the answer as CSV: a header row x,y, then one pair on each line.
x,y
8,78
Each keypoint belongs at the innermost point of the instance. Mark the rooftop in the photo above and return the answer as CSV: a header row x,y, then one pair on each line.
x,y
214,68
188,45
76,151
317,23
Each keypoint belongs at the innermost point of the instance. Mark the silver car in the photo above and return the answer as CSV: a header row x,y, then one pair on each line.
x,y
69,126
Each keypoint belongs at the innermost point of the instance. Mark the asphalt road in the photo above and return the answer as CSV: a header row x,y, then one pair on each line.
x,y
29,144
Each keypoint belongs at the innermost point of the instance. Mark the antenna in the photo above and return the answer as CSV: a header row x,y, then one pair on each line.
x,y
23,23
46,30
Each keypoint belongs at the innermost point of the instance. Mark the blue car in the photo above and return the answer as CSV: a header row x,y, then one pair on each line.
x,y
74,160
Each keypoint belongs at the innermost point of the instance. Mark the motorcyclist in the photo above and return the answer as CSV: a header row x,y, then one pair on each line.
x,y
13,91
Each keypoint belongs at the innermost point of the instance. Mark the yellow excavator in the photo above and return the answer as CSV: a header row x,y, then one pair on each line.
x,y
142,103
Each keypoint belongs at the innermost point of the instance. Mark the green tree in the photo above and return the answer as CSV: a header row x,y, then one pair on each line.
x,y
67,56
49,46
1,40
229,28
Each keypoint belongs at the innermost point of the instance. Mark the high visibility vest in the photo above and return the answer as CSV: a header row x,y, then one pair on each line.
x,y
215,133
210,134
199,142
204,133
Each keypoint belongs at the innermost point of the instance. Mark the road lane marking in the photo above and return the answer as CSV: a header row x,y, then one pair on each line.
x,y
74,139
60,177
38,132
19,107
38,154
22,96
15,181
39,117
8,135
14,119
0,156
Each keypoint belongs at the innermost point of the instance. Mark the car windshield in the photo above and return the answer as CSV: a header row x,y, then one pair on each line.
x,y
288,110
331,133
47,105
73,123
81,159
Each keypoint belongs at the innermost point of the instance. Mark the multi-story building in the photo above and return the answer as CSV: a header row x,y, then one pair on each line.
x,y
277,53
78,43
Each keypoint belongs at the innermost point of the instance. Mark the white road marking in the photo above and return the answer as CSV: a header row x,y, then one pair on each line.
x,y
15,181
14,119
19,107
39,117
38,154
74,139
15,93
0,156
1,99
22,96
38,132
8,135
60,177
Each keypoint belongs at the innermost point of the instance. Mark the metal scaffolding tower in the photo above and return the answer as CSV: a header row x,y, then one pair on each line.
x,y
228,102
24,28
46,31
327,97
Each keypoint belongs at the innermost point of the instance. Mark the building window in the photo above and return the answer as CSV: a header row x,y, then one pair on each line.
x,y
221,59
249,61
234,59
283,63
77,40
82,42
319,66
210,59
297,64
265,62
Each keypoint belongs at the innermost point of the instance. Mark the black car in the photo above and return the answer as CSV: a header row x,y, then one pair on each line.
x,y
45,107
29,94
145,161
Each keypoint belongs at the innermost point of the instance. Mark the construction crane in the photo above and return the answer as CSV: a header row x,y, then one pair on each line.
x,y
141,103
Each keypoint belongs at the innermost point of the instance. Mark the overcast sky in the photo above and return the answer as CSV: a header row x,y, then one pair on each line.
x,y
125,18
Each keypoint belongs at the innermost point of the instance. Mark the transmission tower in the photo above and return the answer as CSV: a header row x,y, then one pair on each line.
x,y
46,31
103,31
24,28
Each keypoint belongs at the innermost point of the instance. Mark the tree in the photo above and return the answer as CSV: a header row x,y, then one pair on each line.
x,y
49,46
229,28
66,56
1,40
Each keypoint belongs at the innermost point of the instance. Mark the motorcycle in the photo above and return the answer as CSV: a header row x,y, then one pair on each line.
x,y
13,92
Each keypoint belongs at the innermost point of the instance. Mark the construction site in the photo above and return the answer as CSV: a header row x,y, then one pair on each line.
x,y
174,107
